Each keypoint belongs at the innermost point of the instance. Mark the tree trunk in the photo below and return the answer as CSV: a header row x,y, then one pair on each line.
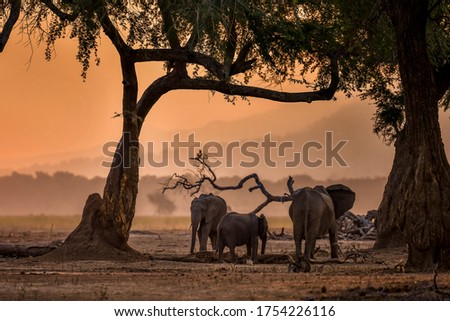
x,y
105,226
120,193
416,201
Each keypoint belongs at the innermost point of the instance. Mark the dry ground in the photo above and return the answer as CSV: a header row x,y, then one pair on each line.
x,y
378,277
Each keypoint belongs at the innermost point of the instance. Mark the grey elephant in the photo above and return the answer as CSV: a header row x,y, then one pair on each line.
x,y
206,212
313,213
242,229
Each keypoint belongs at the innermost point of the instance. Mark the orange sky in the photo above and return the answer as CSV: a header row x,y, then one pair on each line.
x,y
50,116
48,109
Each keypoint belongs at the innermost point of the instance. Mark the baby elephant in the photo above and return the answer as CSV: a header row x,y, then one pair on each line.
x,y
238,229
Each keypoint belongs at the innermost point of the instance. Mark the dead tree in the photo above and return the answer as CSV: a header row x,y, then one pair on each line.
x,y
205,174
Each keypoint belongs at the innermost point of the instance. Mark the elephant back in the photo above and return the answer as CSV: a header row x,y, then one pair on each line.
x,y
343,198
209,196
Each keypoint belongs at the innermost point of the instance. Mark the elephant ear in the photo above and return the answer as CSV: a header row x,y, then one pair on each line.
x,y
343,198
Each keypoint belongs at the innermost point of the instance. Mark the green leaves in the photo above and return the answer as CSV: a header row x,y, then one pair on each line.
x,y
277,41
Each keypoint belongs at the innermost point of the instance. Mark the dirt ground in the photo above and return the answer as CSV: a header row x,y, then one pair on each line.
x,y
372,276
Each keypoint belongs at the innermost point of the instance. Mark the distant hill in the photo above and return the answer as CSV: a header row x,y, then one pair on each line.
x,y
365,153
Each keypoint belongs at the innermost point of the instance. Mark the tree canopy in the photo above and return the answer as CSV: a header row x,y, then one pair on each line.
x,y
323,45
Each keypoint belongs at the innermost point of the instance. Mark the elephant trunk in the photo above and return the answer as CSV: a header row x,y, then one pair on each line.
x,y
263,245
195,223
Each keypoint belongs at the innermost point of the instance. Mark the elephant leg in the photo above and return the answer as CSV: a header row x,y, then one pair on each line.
x,y
204,237
313,248
333,242
249,249
220,247
200,236
213,238
233,255
298,237
254,248
309,245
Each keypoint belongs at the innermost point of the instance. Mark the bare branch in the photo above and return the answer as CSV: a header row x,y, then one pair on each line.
x,y
10,23
290,182
206,174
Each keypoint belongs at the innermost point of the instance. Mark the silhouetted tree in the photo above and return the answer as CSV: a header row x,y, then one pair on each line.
x,y
416,200
396,52
205,45
400,58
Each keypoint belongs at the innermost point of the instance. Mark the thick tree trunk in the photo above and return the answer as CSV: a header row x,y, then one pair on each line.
x,y
120,193
416,201
105,226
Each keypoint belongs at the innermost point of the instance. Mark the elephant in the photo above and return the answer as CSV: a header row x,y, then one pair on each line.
x,y
206,212
313,213
238,229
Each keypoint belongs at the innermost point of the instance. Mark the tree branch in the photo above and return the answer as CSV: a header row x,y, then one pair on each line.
x,y
230,47
241,64
186,55
174,80
250,91
206,174
10,23
61,14
168,25
111,31
193,39
153,93
181,55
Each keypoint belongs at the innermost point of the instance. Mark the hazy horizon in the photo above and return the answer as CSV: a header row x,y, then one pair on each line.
x,y
64,194
366,154
56,100
53,121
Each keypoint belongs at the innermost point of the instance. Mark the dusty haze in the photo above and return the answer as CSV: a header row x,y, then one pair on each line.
x,y
52,121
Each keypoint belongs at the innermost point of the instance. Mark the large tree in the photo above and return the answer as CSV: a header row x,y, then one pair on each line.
x,y
216,45
416,200
400,58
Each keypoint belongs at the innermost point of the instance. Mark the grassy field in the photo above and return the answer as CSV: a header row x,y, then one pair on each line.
x,y
68,223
